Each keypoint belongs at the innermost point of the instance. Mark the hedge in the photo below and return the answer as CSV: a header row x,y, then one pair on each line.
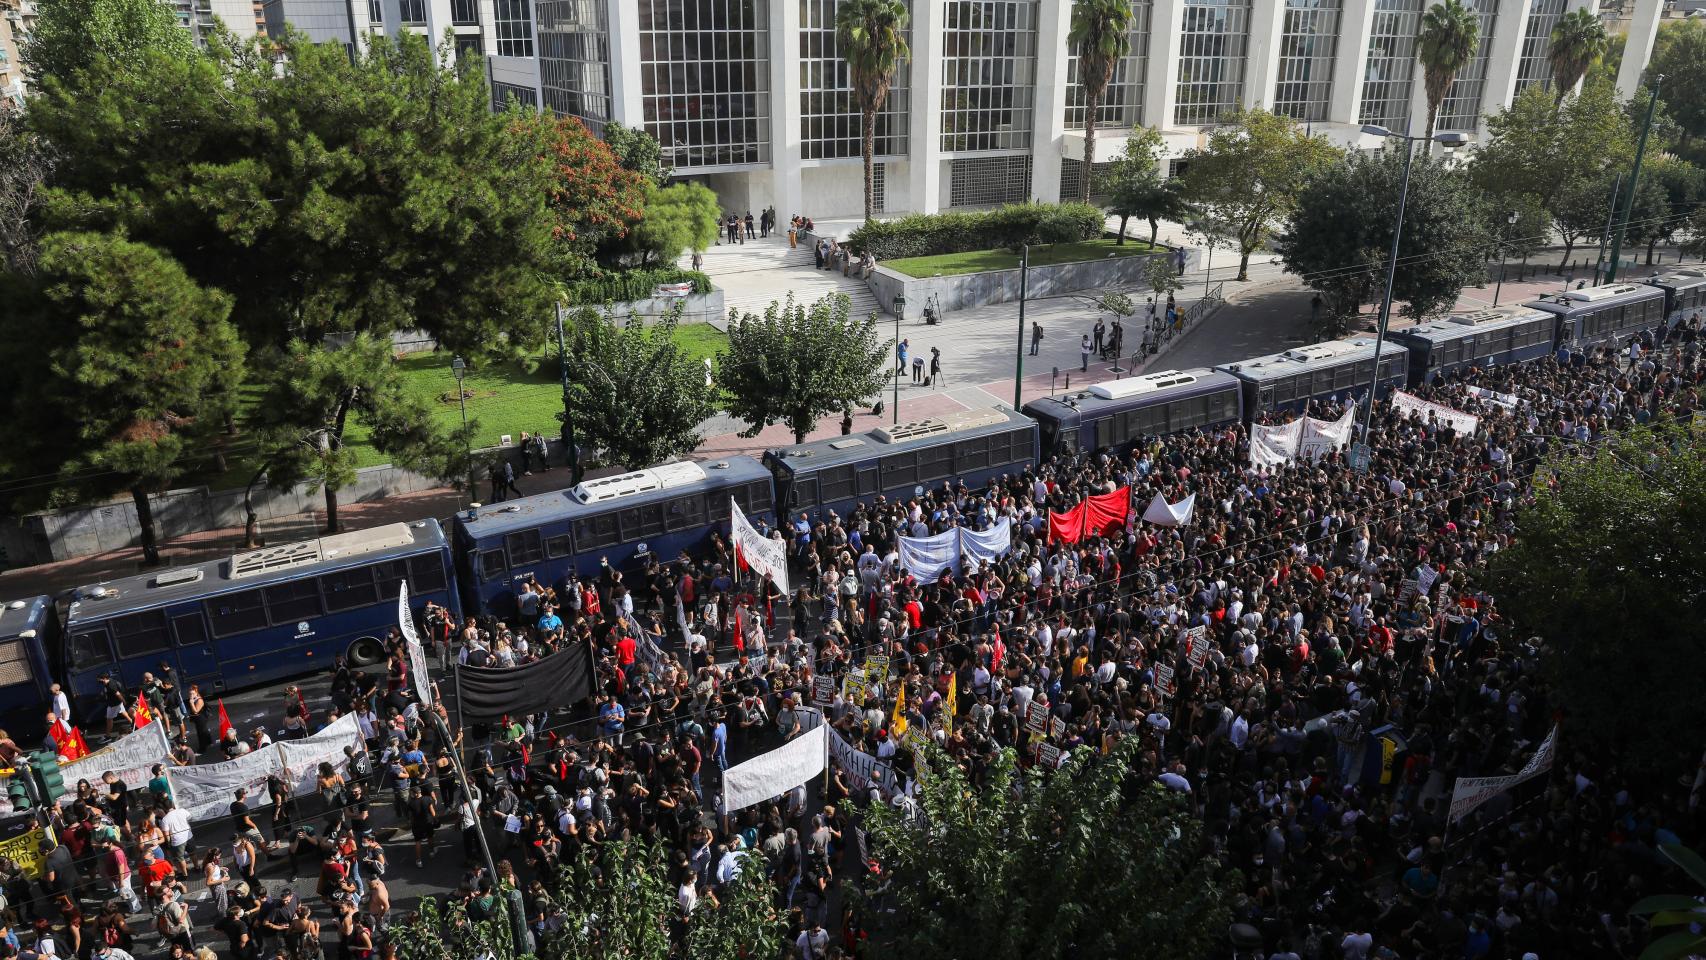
x,y
925,234
628,285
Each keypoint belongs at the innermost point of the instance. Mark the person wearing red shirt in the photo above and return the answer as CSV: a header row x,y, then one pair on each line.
x,y
625,650
914,614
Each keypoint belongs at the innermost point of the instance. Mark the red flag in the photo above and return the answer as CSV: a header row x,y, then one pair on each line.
x,y
67,742
144,716
225,727
78,742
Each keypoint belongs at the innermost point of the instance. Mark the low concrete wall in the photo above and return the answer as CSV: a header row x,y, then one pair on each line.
x,y
1002,286
698,308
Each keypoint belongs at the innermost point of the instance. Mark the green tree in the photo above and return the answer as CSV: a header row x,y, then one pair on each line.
x,y
1160,277
1578,39
871,37
1684,186
1450,35
1533,149
797,364
679,217
637,151
1136,187
435,932
1615,528
1079,862
633,392
24,167
1580,213
1101,35
121,367
1679,55
1251,173
742,924
1694,232
1649,215
1341,235
84,42
310,396
329,197
1676,910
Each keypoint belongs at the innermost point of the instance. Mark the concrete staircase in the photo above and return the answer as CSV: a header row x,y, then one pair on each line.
x,y
756,273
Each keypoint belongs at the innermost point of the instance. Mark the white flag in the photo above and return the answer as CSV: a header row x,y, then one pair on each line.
x,y
412,640
1164,514
757,551
776,772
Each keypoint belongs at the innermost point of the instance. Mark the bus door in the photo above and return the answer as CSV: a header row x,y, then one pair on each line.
x,y
88,654
197,661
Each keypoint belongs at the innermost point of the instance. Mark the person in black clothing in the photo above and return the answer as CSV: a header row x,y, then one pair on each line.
x,y
423,820
112,697
1036,337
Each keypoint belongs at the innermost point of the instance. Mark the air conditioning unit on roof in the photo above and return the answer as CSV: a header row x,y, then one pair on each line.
x,y
1134,386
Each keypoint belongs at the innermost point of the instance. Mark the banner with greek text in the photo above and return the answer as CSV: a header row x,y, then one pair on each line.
x,y
1417,408
206,790
1274,446
1321,437
301,759
768,557
1470,792
131,756
412,640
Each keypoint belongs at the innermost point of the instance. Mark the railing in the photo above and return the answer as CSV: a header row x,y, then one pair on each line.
x,y
1154,340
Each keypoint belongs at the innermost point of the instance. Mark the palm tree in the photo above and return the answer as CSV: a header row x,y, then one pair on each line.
x,y
1446,44
1101,33
1577,41
871,35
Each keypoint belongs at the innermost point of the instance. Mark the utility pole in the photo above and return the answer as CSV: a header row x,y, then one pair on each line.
x,y
900,371
459,367
1019,354
569,449
1634,179
1610,217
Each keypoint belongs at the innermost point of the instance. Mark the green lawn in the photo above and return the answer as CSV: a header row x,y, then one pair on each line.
x,y
503,397
978,261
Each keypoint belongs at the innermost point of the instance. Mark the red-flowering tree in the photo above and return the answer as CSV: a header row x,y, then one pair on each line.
x,y
594,199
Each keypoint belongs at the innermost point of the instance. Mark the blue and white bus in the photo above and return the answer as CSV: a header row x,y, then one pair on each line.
x,y
970,446
1482,339
28,629
1608,315
255,617
625,519
1685,292
1118,413
1320,371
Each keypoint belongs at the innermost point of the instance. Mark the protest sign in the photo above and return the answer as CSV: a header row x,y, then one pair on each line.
x,y
131,756
412,641
1164,679
775,772
20,842
1417,408
768,557
823,689
301,759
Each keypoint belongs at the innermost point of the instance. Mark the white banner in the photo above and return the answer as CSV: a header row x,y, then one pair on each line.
x,y
1507,400
412,640
302,758
772,774
131,756
1164,514
1321,437
206,790
1470,792
1420,409
757,551
863,770
1273,446
926,557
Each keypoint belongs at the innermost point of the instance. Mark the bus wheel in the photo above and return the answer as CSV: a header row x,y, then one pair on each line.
x,y
365,652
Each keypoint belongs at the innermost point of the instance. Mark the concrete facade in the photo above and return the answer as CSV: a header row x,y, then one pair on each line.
x,y
961,291
1028,143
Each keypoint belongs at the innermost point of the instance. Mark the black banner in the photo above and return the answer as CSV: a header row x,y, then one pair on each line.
x,y
560,680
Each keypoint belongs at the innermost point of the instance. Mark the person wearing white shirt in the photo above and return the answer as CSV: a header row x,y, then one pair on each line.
x,y
1240,733
813,942
687,897
61,703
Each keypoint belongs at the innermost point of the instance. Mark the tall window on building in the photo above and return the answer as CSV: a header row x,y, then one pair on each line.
x,y
465,13
413,12
989,74
1122,102
1214,45
1392,66
705,80
512,21
1533,66
574,59
376,12
1461,109
829,110
1307,50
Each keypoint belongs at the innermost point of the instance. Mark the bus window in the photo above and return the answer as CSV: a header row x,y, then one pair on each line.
x,y
803,493
491,564
89,648
236,613
190,630
389,576
524,547
426,574
835,483
348,589
293,601
684,512
759,493
14,663
140,634
936,463
558,547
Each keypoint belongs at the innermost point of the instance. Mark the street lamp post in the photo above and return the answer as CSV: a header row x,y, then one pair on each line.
x,y
570,451
1019,355
899,369
1503,256
459,367
1446,139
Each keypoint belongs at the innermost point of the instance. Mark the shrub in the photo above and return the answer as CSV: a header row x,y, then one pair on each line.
x,y
925,234
627,285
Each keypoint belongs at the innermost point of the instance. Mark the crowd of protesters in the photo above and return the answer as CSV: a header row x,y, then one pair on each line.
x,y
1336,605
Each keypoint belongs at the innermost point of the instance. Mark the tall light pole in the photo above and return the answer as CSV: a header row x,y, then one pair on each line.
x,y
1019,354
1503,256
1634,179
1449,140
459,367
569,449
900,371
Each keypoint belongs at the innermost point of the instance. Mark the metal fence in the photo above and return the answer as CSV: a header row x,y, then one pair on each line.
x,y
1164,333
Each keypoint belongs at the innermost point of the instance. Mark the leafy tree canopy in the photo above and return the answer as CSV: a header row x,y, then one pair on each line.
x,y
679,217
637,151
1606,567
1341,234
78,43
1679,55
1251,174
632,391
1532,150
594,199
797,364
1083,862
